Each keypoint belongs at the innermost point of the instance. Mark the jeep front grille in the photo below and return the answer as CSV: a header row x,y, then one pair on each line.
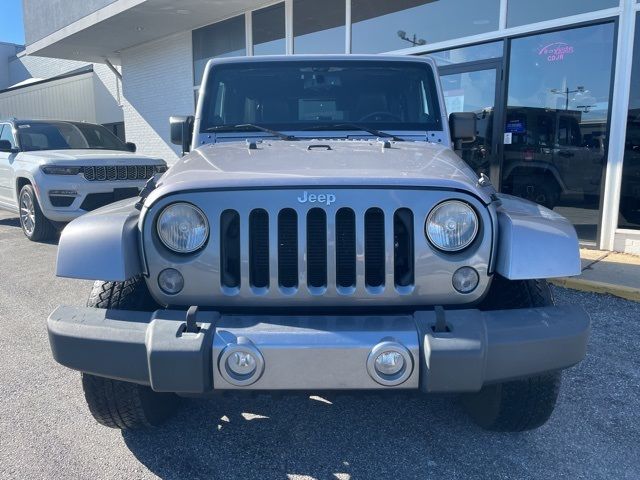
x,y
345,248
119,172
318,248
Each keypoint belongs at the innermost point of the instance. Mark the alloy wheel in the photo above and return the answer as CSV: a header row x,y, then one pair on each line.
x,y
27,213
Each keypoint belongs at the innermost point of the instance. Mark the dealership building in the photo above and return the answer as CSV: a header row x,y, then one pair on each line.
x,y
555,85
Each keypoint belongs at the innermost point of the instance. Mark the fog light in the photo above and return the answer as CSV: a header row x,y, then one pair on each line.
x,y
389,363
171,281
465,280
241,363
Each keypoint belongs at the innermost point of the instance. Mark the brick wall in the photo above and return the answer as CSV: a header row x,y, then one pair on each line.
x,y
627,241
157,83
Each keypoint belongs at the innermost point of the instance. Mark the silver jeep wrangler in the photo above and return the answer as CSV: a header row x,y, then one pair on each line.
x,y
322,234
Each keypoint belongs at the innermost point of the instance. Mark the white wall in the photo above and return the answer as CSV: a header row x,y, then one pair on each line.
x,y
627,241
7,50
157,83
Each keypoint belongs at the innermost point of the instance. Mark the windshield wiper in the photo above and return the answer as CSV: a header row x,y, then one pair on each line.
x,y
355,126
250,126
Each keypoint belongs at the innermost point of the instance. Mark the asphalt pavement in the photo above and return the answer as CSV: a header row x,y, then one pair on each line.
x,y
46,430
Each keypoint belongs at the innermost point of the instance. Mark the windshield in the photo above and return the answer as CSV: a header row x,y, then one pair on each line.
x,y
66,136
321,94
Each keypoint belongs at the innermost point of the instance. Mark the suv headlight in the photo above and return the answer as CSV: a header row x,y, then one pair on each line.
x,y
60,170
451,226
183,227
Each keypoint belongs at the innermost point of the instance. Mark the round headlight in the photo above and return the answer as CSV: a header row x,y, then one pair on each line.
x,y
183,228
452,226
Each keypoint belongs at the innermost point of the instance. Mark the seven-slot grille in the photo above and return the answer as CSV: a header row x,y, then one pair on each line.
x,y
308,243
119,172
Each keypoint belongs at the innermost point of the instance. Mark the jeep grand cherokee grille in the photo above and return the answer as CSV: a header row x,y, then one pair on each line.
x,y
120,172
305,241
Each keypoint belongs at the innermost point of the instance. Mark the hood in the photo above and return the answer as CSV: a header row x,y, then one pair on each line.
x,y
89,157
320,163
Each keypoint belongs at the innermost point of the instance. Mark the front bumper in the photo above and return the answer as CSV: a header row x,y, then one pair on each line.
x,y
317,352
82,195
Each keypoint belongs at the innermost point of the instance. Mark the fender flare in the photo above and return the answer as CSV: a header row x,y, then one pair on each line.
x,y
19,174
102,245
534,242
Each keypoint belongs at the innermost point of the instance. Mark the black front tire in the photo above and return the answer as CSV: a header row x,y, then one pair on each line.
x,y
118,404
515,406
125,405
523,404
35,226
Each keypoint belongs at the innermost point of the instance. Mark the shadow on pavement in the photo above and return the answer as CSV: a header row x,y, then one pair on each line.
x,y
15,222
352,437
591,435
10,222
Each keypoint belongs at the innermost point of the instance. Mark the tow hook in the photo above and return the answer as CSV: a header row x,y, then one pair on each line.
x,y
441,323
191,325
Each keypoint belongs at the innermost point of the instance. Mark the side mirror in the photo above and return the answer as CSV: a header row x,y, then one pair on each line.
x,y
131,147
463,128
181,131
5,146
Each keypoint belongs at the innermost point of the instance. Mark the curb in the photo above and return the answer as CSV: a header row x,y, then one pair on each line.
x,y
621,291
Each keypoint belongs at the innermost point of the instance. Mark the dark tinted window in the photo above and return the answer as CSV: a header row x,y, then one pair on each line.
x,y
268,28
557,121
318,27
66,136
299,95
522,12
383,26
222,39
630,194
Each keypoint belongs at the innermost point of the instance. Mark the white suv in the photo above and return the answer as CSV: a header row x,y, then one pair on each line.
x,y
54,171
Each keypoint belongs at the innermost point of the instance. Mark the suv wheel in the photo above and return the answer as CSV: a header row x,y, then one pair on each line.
x,y
35,225
523,404
118,404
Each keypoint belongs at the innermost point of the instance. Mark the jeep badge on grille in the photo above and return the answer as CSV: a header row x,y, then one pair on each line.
x,y
326,198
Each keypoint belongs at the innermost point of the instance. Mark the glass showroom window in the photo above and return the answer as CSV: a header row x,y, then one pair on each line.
x,y
222,39
485,51
386,26
318,27
630,194
556,127
268,28
523,12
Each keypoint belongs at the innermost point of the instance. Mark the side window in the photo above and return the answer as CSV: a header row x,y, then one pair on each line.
x,y
7,134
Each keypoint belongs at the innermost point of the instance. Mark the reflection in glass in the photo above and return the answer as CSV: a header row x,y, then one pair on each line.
x,y
630,194
318,27
523,12
473,53
473,92
269,30
222,39
379,26
556,127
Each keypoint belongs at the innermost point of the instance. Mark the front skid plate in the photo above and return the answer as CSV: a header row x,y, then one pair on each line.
x,y
318,352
